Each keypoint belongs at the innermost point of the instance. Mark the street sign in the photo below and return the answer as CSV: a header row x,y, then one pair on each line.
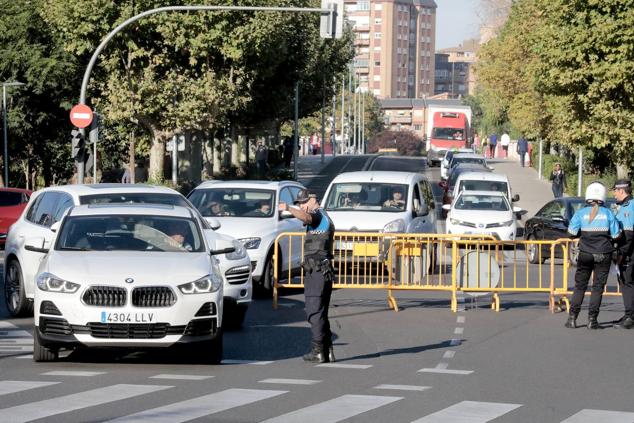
x,y
81,116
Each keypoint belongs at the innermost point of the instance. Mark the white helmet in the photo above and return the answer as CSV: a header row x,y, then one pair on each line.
x,y
596,192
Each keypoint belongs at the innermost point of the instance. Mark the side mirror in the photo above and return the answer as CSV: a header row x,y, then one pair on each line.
x,y
442,184
55,226
516,197
446,207
214,223
559,219
37,245
286,215
416,205
222,247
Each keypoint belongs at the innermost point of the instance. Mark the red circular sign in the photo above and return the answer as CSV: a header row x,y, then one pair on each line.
x,y
81,116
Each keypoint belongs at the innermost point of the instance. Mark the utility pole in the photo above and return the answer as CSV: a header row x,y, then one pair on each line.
x,y
296,131
343,113
333,137
323,117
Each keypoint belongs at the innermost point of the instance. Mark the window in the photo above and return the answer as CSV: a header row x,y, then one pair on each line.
x,y
418,127
364,36
286,196
363,5
378,21
377,63
377,48
377,78
66,202
43,209
378,6
377,35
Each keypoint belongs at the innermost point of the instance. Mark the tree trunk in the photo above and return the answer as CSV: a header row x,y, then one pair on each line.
x,y
196,159
157,156
209,157
622,171
235,148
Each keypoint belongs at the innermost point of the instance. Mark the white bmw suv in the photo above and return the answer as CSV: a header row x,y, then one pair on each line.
x,y
247,210
128,275
47,206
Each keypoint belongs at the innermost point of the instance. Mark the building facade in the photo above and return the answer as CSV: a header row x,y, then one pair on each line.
x,y
455,74
394,46
411,114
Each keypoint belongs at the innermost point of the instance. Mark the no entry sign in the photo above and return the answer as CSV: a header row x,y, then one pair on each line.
x,y
81,116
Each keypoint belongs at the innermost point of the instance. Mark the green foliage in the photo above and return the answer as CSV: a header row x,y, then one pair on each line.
x,y
407,142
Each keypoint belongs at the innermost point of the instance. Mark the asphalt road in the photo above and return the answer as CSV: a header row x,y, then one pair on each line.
x,y
421,364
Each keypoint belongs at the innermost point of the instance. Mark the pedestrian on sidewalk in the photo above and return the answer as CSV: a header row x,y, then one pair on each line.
x,y
493,143
625,254
476,143
597,229
318,244
558,178
261,158
505,141
522,148
287,146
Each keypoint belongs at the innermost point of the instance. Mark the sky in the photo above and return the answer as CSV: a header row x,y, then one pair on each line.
x,y
456,20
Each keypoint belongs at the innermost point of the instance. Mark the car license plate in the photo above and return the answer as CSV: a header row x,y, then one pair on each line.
x,y
117,317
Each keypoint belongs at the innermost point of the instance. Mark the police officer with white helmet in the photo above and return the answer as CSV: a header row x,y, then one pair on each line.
x,y
597,229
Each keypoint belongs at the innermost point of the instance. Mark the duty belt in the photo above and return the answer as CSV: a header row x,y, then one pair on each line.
x,y
312,264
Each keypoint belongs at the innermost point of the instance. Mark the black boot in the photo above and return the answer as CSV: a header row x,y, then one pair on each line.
x,y
316,355
626,323
571,322
592,322
331,354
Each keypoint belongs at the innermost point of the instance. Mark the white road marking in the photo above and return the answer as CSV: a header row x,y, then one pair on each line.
x,y
445,371
15,348
10,341
11,386
7,325
449,354
345,366
335,410
181,377
72,373
604,416
65,404
458,331
28,356
469,412
15,334
252,362
199,407
460,319
455,342
291,381
403,387
442,365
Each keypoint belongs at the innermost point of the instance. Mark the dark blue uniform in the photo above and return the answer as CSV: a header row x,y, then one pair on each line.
x,y
596,245
625,217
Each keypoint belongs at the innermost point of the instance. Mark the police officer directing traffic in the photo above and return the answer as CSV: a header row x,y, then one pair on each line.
x,y
318,273
625,255
597,229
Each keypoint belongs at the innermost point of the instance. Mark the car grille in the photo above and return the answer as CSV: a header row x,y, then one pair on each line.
x,y
105,296
153,296
130,331
237,275
55,326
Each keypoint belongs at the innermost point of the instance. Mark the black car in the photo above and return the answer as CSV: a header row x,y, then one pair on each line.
x,y
399,164
551,223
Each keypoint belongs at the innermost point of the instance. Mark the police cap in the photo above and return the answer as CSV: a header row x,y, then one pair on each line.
x,y
303,196
622,184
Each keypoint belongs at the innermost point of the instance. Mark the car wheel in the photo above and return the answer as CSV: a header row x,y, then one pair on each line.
x,y
433,260
42,354
266,282
532,250
15,298
573,254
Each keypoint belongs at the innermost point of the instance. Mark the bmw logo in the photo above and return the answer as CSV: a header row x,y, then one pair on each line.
x,y
129,280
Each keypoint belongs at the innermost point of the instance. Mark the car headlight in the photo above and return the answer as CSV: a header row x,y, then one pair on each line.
x,y
49,282
250,243
461,222
397,225
204,285
500,224
239,253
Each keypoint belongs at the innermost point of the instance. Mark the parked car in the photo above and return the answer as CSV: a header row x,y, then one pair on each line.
x,y
12,204
399,164
551,223
128,275
466,158
444,164
482,212
247,210
48,206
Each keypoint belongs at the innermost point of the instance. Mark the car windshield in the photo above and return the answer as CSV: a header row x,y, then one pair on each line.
x,y
467,160
365,196
129,233
480,185
238,202
481,202
8,198
395,164
135,198
448,134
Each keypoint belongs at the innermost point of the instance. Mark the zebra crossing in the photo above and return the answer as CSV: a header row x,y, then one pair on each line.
x,y
334,410
14,341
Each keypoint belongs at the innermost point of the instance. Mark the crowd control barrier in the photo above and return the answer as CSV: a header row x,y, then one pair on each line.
x,y
473,265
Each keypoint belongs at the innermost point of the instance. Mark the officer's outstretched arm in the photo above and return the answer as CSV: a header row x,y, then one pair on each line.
x,y
297,212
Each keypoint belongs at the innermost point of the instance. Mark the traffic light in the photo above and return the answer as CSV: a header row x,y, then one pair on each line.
x,y
77,143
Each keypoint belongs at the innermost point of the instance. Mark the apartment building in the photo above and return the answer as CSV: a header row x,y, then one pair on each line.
x,y
455,74
394,45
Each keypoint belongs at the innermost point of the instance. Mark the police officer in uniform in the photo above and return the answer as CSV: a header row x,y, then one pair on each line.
x,y
318,273
597,229
625,255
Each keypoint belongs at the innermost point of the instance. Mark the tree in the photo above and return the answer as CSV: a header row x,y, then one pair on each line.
x,y
407,142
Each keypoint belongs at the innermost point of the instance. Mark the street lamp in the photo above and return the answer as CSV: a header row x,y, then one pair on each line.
x,y
4,119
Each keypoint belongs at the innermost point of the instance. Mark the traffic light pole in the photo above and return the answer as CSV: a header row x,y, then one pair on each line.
x,y
329,22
